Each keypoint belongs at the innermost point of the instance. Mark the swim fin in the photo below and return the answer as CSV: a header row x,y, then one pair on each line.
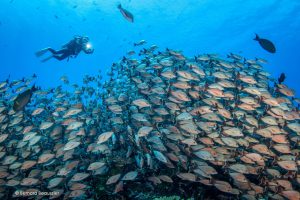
x,y
46,59
41,52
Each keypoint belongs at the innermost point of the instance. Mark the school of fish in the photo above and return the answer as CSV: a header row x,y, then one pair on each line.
x,y
191,124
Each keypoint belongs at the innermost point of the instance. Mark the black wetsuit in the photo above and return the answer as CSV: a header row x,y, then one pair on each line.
x,y
60,54
73,48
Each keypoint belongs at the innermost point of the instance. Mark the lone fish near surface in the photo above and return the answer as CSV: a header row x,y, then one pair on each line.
x,y
126,14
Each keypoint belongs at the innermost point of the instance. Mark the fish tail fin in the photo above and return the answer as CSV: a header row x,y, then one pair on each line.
x,y
256,37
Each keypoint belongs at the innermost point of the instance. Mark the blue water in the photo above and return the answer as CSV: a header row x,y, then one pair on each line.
x,y
193,26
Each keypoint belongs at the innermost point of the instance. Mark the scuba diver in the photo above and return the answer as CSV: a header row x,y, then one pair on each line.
x,y
71,49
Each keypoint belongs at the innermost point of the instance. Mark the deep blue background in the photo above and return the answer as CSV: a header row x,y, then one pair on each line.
x,y
194,26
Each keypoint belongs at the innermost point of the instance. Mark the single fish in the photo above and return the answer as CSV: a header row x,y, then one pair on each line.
x,y
139,43
281,78
265,44
23,99
126,14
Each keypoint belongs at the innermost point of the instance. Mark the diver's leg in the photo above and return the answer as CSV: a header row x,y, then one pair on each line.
x,y
61,57
62,51
53,51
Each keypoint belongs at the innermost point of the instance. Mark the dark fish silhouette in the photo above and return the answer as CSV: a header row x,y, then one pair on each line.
x,y
126,14
281,78
265,44
23,99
